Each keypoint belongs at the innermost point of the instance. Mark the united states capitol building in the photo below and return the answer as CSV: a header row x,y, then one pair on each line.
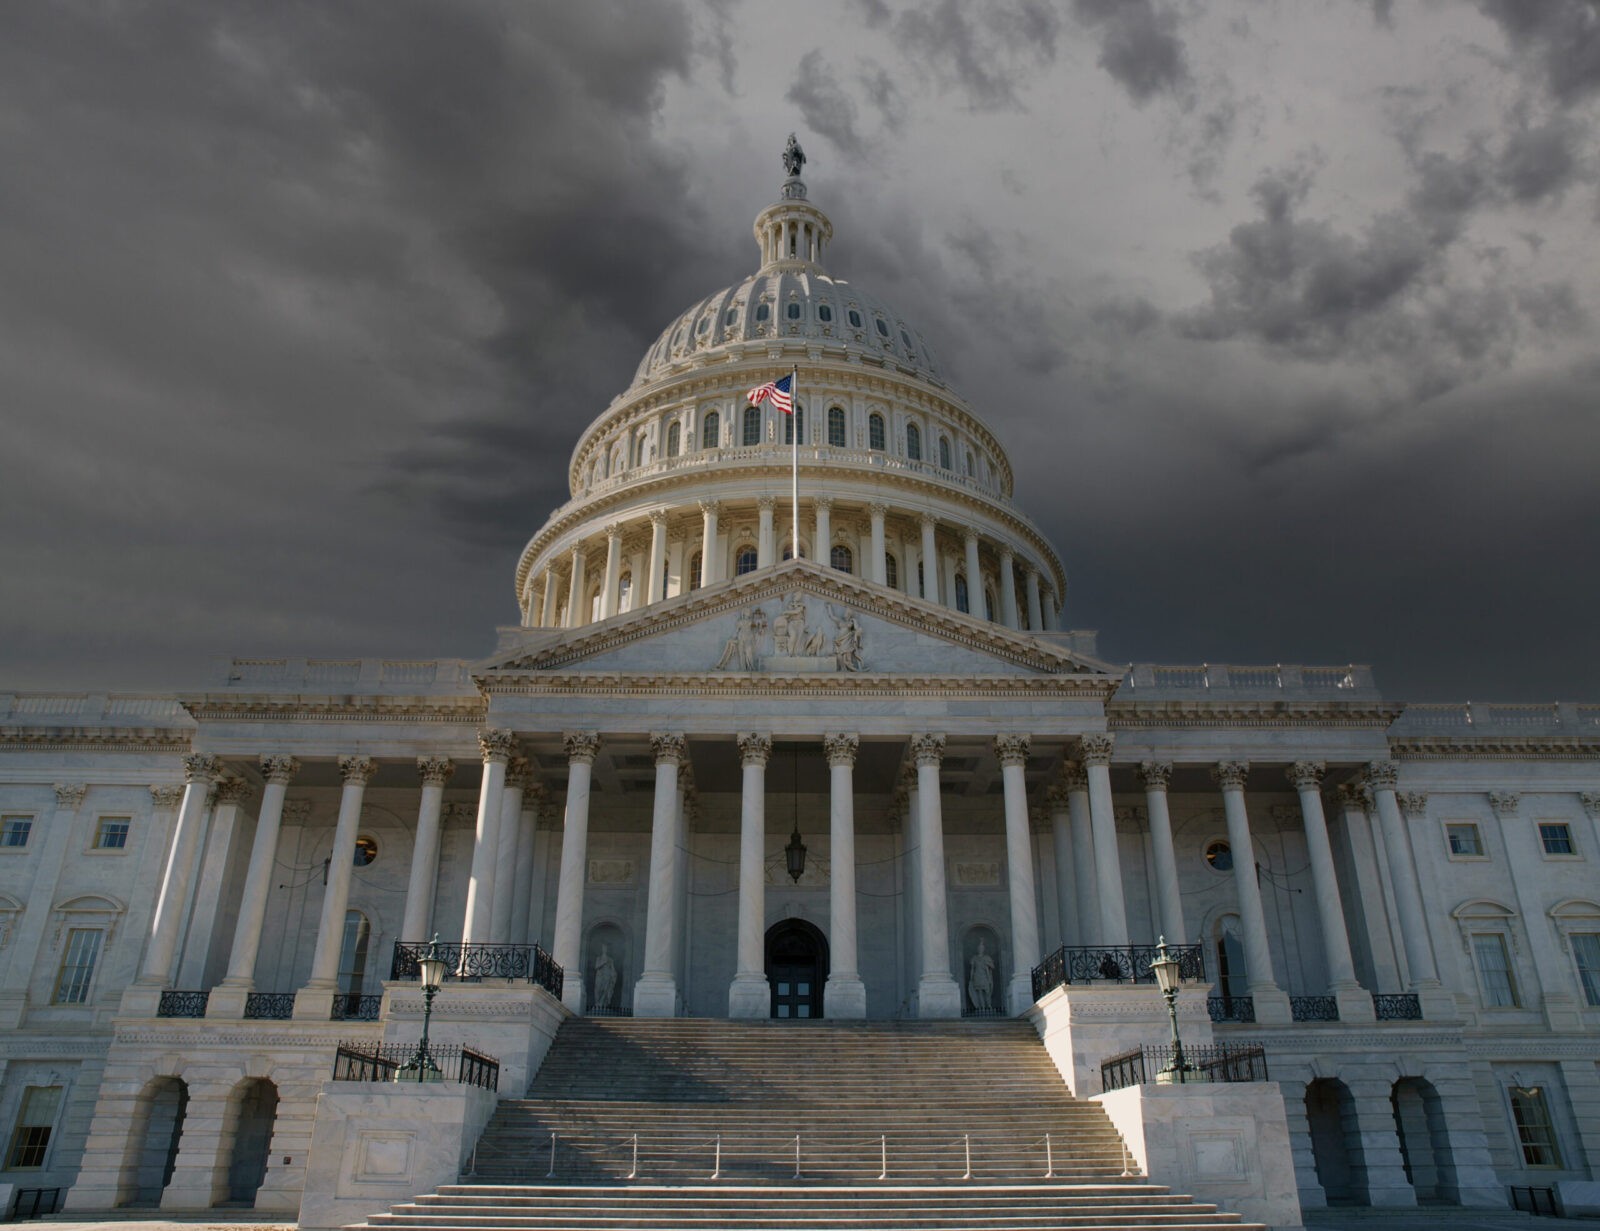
x,y
859,768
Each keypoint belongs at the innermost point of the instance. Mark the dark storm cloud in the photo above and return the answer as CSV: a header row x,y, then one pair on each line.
x,y
824,105
1558,40
884,95
1139,44
986,53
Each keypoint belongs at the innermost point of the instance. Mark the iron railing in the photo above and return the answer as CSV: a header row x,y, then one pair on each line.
x,y
1203,1062
1314,1008
36,1202
474,963
1533,1199
394,1062
1231,1008
182,1004
1397,1006
355,1007
269,1006
1118,963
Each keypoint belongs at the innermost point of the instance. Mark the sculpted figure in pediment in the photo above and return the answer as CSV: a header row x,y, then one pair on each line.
x,y
847,639
743,650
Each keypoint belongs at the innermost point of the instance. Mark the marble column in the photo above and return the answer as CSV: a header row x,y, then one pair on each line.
x,y
1112,929
503,900
879,570
766,552
1035,612
1354,1003
1013,753
1052,612
1008,588
200,770
930,559
533,798
822,543
227,999
609,592
1271,1004
552,598
1086,884
709,571
938,994
1155,775
576,616
845,995
416,924
655,588
1060,814
749,994
656,993
1381,778
199,933
313,1001
974,576
478,918
566,947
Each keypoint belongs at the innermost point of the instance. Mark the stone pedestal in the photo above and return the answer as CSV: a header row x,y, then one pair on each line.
x,y
1355,1004
938,996
747,997
226,1003
1272,1004
657,996
514,1022
1084,1025
844,998
142,1000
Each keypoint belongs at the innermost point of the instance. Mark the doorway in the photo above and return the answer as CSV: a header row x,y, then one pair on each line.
x,y
797,968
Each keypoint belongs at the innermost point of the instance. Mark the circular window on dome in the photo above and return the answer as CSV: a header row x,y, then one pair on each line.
x,y
763,311
855,319
366,851
794,312
883,328
824,312
1220,856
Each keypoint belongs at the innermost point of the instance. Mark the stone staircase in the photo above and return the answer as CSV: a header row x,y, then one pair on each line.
x,y
689,1123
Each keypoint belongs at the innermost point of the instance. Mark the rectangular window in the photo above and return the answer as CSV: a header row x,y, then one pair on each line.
x,y
14,830
1464,839
30,1140
1535,1133
111,834
1557,838
77,967
1586,952
1494,971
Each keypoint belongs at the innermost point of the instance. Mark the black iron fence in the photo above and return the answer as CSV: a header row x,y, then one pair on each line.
x,y
1532,1199
1204,1062
472,963
1314,1008
269,1006
397,1062
35,1202
182,1004
1397,1006
1115,963
355,1007
1231,1008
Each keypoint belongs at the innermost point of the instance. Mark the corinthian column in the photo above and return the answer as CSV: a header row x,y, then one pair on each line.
x,y
415,924
613,580
1113,922
1381,778
478,918
582,746
880,569
821,546
1155,775
503,904
974,576
1060,814
313,1002
199,771
709,571
1271,1004
1013,753
938,995
1306,778
1035,610
766,552
279,771
576,616
1008,588
748,994
930,559
655,591
656,993
845,996
1085,880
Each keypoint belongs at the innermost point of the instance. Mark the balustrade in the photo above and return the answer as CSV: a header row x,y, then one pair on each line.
x,y
1116,963
1201,1062
1231,1008
182,1004
473,963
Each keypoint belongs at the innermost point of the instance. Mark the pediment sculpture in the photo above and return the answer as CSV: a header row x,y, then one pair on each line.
x,y
790,642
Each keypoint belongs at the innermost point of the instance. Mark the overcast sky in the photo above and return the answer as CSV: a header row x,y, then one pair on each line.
x,y
1285,309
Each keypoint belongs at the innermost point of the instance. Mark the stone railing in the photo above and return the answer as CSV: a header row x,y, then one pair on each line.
x,y
1469,718
91,708
1158,681
346,674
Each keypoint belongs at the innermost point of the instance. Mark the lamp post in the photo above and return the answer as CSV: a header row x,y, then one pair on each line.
x,y
795,853
433,969
1165,968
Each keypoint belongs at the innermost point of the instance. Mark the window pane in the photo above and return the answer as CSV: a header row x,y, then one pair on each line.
x,y
836,436
708,431
841,559
77,966
35,1119
1494,970
1534,1131
112,833
1586,951
1464,840
752,425
913,442
875,433
891,571
746,562
1557,839
14,830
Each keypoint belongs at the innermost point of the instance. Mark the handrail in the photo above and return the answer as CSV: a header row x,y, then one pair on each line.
x,y
1118,963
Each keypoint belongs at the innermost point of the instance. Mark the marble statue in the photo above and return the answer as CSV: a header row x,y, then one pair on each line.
x,y
605,978
847,639
794,158
980,979
743,649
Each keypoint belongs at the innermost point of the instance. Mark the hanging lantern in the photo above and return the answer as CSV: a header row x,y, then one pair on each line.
x,y
795,854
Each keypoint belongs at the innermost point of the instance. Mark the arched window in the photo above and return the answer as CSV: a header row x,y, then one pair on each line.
x,y
875,433
843,559
855,319
674,438
710,430
353,953
891,571
625,593
988,604
745,561
763,311
836,436
824,312
728,317
752,425
694,571
972,468
794,311
944,452
792,423
913,442
963,600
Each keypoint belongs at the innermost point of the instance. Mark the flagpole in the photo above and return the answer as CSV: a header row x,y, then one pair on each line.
x,y
794,435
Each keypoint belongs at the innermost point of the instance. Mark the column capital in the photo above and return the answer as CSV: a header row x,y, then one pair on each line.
x,y
878,509
929,521
577,553
822,502
357,771
279,769
581,746
1504,803
969,535
201,767
460,812
927,749
658,517
1074,776
754,748
1056,796
766,503
1096,749
1306,775
519,773
1008,555
614,532
232,790
1415,803
841,747
1230,775
1591,803
711,507
165,796
1012,749
1029,569
534,795
1382,775
1155,775
670,748
497,744
435,771
1353,795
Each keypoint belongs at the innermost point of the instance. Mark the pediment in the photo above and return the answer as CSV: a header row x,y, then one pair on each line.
x,y
796,619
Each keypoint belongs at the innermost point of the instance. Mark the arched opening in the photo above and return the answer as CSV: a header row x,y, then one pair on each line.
x,y
842,558
154,1135
1424,1141
606,966
674,436
709,430
913,442
944,453
625,593
1335,1140
752,425
745,561
1233,977
256,1112
963,599
797,968
836,433
694,570
877,438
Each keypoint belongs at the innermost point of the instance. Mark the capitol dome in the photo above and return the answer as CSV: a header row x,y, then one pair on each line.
x,y
681,483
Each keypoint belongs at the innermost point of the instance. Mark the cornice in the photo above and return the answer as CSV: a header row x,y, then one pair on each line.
x,y
723,684
1497,748
97,739
266,707
1150,715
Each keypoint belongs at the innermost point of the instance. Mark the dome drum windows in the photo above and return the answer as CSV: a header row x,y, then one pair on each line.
x,y
752,426
792,422
674,438
913,442
710,430
944,453
824,312
730,318
883,326
793,311
877,439
836,427
855,319
763,311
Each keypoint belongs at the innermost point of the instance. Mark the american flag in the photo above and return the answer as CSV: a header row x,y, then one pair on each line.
x,y
781,391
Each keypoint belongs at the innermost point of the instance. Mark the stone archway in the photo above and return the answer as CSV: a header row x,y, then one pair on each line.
x,y
153,1139
797,968
254,1113
1424,1140
1335,1141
